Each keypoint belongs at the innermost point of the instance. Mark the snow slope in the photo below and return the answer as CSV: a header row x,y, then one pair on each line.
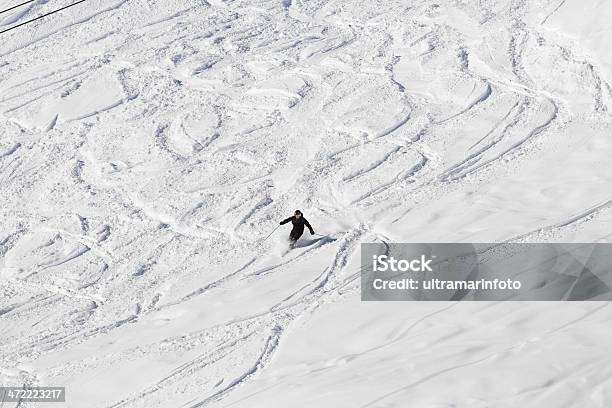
x,y
148,147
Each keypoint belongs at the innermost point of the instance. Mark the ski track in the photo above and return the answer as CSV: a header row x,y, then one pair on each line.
x,y
148,208
272,343
76,23
485,94
561,3
550,231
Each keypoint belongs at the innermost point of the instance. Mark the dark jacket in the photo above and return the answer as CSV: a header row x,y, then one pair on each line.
x,y
298,225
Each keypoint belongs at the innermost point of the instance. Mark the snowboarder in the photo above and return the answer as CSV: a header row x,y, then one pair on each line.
x,y
298,222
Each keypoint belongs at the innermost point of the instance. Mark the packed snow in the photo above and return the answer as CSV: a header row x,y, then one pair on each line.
x,y
148,148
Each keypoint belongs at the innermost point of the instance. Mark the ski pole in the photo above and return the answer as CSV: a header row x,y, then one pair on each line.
x,y
270,234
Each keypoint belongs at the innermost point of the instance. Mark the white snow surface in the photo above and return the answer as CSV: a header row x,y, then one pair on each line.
x,y
148,147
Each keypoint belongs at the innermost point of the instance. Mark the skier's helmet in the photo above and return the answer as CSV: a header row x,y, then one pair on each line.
x,y
297,213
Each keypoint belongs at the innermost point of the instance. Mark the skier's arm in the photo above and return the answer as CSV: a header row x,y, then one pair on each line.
x,y
285,221
308,225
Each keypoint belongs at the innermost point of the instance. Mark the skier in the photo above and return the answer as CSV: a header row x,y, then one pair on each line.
x,y
298,222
